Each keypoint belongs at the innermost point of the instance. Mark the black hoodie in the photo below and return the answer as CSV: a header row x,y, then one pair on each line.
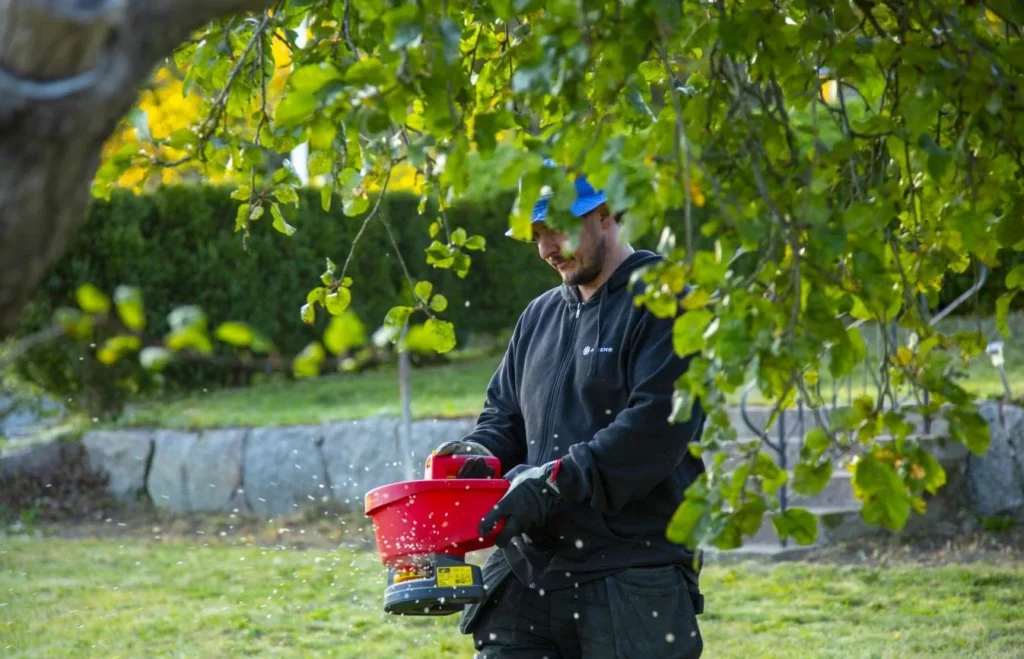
x,y
591,383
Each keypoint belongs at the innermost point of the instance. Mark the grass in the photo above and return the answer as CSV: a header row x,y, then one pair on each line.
x,y
452,390
142,597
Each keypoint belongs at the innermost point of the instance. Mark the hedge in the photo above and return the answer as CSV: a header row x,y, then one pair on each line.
x,y
178,246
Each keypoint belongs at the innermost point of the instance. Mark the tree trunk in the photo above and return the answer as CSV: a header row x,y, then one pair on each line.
x,y
69,70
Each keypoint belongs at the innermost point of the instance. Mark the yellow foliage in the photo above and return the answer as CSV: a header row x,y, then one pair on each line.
x,y
168,110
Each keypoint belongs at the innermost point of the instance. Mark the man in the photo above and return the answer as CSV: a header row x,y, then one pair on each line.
x,y
577,413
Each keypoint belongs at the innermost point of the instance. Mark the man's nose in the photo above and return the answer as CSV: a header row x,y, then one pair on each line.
x,y
548,246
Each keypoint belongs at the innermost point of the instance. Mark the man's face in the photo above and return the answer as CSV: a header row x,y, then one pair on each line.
x,y
579,267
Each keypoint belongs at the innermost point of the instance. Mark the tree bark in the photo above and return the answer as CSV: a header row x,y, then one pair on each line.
x,y
69,70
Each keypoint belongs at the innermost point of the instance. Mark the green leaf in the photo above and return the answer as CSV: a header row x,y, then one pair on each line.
x,y
338,301
154,358
438,303
1003,312
685,520
328,278
326,194
885,497
443,333
682,406
772,477
750,515
440,255
235,333
279,222
460,264
354,200
848,354
187,316
817,442
92,300
434,335
809,479
181,138
308,313
1015,278
116,347
286,194
796,523
395,320
938,157
312,77
320,163
459,237
321,137
317,295
242,217
476,243
295,108
688,332
368,71
435,228
74,323
345,332
407,35
423,290
189,338
243,193
934,474
307,363
969,428
128,300
670,12
1010,230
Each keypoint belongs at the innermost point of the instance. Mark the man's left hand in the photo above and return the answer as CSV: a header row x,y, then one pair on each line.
x,y
527,504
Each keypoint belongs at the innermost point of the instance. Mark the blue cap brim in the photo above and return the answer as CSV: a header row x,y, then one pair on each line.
x,y
579,208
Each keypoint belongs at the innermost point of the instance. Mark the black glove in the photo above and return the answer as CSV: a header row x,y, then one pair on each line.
x,y
474,467
531,498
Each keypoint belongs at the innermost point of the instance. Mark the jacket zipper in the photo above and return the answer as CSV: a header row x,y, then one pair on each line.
x,y
546,440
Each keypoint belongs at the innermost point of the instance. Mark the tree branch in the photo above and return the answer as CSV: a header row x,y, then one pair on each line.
x,y
206,129
682,159
366,222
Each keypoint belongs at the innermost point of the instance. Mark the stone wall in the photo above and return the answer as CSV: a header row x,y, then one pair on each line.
x,y
277,470
263,471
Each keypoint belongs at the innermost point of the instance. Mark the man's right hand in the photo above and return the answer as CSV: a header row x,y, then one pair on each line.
x,y
474,467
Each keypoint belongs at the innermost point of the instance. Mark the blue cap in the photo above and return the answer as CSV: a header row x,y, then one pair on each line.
x,y
587,199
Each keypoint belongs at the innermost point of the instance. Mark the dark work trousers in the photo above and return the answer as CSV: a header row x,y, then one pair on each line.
x,y
638,613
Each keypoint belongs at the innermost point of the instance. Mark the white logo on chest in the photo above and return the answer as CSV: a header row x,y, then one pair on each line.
x,y
587,350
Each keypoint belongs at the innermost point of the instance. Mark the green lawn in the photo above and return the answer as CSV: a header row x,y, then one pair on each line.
x,y
455,389
126,597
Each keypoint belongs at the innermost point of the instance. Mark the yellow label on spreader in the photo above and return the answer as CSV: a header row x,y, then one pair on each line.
x,y
455,576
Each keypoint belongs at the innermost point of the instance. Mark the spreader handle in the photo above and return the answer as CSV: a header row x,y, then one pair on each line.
x,y
447,466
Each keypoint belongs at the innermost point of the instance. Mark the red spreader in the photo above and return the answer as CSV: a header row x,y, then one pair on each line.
x,y
425,528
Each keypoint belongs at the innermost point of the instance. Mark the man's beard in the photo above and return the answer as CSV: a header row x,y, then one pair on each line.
x,y
589,272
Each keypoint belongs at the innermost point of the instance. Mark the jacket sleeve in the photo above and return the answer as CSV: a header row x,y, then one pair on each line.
x,y
500,427
628,458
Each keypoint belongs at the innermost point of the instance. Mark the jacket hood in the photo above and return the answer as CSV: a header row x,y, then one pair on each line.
x,y
618,279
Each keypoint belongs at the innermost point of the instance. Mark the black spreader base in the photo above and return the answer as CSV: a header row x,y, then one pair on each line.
x,y
435,594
